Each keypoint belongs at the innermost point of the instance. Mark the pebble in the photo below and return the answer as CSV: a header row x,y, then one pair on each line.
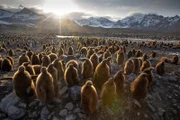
x,y
63,91
109,111
137,103
161,111
44,113
151,107
33,115
77,110
49,116
22,105
80,115
33,103
169,97
171,79
8,101
149,96
158,97
174,111
131,77
41,104
71,117
63,112
74,93
145,115
155,117
2,115
69,106
15,113
55,118
99,104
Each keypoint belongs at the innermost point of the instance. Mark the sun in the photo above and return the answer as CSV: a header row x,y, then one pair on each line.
x,y
60,7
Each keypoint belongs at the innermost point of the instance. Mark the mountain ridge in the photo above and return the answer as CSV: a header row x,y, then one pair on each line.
x,y
152,22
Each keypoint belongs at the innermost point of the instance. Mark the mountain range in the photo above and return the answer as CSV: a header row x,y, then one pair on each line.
x,y
152,22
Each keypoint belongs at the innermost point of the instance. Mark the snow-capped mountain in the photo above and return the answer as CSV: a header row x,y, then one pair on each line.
x,y
95,22
147,21
153,22
25,17
135,21
129,21
5,13
26,14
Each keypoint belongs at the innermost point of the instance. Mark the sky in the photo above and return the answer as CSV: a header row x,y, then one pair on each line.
x,y
115,9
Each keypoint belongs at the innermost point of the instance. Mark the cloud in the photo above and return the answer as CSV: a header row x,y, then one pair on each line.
x,y
123,7
111,8
9,8
16,3
77,15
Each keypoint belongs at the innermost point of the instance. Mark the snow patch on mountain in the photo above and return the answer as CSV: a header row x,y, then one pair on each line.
x,y
95,22
5,23
26,14
146,21
26,17
4,13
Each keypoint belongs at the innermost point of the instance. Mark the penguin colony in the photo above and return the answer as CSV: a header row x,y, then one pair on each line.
x,y
95,71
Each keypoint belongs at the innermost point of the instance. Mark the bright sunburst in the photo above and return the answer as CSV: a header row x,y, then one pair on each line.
x,y
60,7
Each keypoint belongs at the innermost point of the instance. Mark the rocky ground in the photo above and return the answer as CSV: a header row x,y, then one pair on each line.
x,y
162,102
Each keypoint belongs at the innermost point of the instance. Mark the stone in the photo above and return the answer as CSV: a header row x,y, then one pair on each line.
x,y
49,116
131,77
15,113
153,62
22,105
151,107
174,111
145,115
33,115
161,111
69,106
171,79
2,115
41,104
158,97
137,103
71,117
44,113
138,114
77,110
63,112
7,119
74,93
55,118
65,97
50,106
178,107
155,117
149,97
8,101
169,97
80,115
63,91
99,104
109,111
33,103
